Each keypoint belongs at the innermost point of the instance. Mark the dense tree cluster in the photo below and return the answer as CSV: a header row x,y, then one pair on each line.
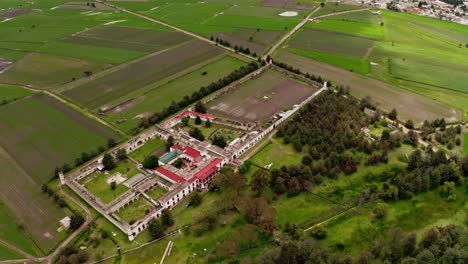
x,y
72,255
292,180
327,130
151,162
157,227
197,95
57,199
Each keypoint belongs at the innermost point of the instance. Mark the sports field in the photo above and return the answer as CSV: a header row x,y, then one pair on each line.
x,y
100,91
160,95
260,98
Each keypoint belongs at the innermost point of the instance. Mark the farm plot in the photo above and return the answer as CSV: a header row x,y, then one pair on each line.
x,y
386,96
288,4
41,133
127,38
260,98
160,96
85,6
10,93
135,76
360,29
363,16
33,210
336,7
12,13
45,71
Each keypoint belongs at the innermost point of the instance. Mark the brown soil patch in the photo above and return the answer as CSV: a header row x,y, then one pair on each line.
x,y
292,4
125,105
11,13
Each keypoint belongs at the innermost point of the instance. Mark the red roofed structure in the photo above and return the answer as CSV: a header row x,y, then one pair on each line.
x,y
169,175
208,172
190,152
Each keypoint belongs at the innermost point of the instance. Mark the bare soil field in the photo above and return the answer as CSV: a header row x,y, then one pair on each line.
x,y
408,104
137,39
45,71
287,4
85,6
261,98
98,92
12,13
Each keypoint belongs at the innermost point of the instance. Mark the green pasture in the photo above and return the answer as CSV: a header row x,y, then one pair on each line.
x,y
361,16
97,181
160,95
13,234
360,29
335,7
135,210
41,133
147,149
7,254
12,93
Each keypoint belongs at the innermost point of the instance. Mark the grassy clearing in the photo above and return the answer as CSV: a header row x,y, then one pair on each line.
x,y
12,93
363,16
135,210
97,182
42,133
161,95
157,193
147,149
276,153
137,75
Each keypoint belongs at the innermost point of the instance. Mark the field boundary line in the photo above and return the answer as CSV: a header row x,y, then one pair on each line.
x,y
15,249
174,28
342,12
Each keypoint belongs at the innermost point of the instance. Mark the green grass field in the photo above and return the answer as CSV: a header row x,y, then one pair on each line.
x,y
157,193
7,254
277,153
97,182
363,17
147,149
162,94
360,29
135,210
331,7
12,93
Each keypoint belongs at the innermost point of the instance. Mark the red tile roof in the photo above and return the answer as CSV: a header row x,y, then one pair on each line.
x,y
208,170
192,152
177,147
170,174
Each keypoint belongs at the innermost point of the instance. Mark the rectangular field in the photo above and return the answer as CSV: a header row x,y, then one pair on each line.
x,y
98,92
260,98
41,133
10,93
126,115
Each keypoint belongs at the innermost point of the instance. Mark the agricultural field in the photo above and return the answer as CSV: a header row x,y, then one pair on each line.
x,y
10,93
260,98
420,54
335,7
99,92
160,95
234,20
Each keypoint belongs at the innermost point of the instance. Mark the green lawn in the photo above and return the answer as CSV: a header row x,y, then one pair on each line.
x,y
362,16
157,193
277,153
97,182
11,93
135,210
147,149
360,29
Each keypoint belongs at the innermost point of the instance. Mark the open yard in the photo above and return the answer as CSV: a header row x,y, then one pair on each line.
x,y
100,91
260,98
99,184
157,193
135,210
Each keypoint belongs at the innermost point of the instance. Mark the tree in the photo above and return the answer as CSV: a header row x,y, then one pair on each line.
x,y
409,124
113,185
111,143
197,133
200,107
166,218
76,221
260,213
260,180
219,141
195,199
319,232
155,229
185,120
198,121
393,114
151,162
208,123
122,154
380,210
108,162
